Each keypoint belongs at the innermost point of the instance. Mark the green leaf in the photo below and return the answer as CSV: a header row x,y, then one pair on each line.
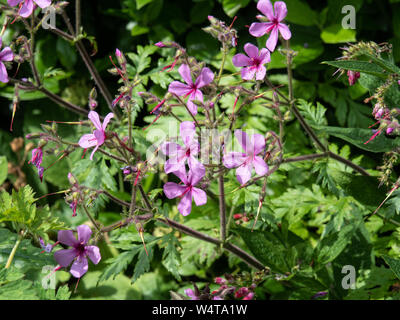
x,y
299,12
337,34
332,245
358,137
360,66
141,3
394,264
171,255
66,53
232,6
3,169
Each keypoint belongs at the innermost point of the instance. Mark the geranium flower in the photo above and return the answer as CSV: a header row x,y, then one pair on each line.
x,y
79,252
27,6
253,63
258,29
97,138
187,191
191,89
5,55
177,154
244,162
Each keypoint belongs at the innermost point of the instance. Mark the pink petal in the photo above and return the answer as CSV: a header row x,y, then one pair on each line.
x,y
67,237
260,166
251,50
265,7
94,117
170,148
100,136
94,150
107,120
185,73
6,54
199,196
87,141
14,3
285,32
243,173
280,10
248,73
194,164
26,9
196,95
185,205
93,253
174,163
244,141
187,131
181,174
234,159
258,141
64,257
84,233
43,3
272,40
196,174
179,88
240,60
258,29
3,73
265,56
173,190
260,73
79,267
206,77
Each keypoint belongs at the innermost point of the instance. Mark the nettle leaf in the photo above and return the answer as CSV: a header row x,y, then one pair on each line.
x,y
332,245
394,264
171,255
362,188
360,66
270,253
358,137
19,208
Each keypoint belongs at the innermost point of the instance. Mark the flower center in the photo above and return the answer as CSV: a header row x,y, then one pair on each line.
x,y
80,248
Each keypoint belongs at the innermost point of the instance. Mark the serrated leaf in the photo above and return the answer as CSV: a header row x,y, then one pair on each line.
x,y
358,137
360,66
394,264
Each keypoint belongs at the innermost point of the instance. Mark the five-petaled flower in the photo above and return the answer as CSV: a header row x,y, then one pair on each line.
x,y
258,29
5,55
79,252
27,6
191,89
244,162
253,63
187,191
177,154
97,138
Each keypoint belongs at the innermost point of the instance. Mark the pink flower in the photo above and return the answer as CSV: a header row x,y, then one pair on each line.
x,y
258,29
79,252
177,154
191,294
254,63
244,162
27,6
353,77
99,135
187,191
191,88
37,157
5,55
